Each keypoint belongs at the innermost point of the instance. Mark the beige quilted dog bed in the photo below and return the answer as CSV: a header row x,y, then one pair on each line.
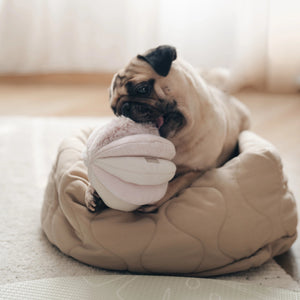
x,y
232,218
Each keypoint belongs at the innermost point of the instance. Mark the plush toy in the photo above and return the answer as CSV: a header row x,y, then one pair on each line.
x,y
129,164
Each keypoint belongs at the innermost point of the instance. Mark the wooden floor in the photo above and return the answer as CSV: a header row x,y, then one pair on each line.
x,y
275,117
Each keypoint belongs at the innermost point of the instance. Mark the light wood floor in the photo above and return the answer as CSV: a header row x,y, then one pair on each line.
x,y
275,117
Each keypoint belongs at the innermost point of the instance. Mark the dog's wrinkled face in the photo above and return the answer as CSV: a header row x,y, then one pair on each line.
x,y
138,94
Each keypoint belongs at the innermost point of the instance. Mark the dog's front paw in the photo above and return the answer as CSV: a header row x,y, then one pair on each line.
x,y
93,201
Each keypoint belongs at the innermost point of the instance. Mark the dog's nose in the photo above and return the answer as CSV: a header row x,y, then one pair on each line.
x,y
125,109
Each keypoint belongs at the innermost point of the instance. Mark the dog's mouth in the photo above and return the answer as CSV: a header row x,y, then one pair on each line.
x,y
159,122
163,114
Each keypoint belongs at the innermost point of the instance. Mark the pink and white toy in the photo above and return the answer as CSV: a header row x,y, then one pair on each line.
x,y
129,164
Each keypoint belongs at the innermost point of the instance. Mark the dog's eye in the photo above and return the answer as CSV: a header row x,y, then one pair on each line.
x,y
143,89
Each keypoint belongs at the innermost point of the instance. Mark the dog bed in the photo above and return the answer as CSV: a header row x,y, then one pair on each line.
x,y
232,218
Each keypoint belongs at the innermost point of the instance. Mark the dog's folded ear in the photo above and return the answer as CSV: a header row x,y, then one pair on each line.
x,y
160,59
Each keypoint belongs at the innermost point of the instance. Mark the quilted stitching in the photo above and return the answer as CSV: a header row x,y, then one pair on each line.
x,y
197,205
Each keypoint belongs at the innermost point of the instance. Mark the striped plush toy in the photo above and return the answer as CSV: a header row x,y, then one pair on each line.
x,y
129,164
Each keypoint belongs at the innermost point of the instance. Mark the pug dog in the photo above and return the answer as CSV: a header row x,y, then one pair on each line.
x,y
201,121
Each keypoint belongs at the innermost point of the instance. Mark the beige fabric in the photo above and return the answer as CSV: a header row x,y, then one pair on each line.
x,y
232,218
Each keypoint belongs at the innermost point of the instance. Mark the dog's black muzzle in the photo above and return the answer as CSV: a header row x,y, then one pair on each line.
x,y
163,114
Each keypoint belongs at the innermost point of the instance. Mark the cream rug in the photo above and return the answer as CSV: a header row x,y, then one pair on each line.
x,y
27,150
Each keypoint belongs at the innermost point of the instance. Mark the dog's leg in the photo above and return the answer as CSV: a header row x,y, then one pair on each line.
x,y
92,200
175,186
